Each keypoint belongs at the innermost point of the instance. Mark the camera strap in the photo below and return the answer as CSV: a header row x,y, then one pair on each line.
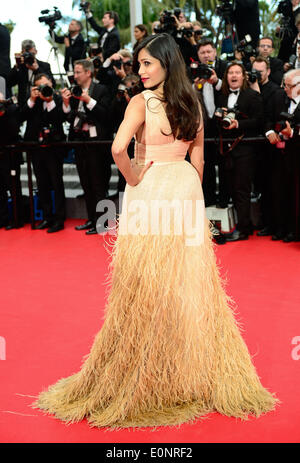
x,y
232,146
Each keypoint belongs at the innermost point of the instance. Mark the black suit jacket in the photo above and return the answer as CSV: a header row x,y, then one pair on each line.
x,y
112,42
75,51
19,76
268,91
4,51
98,116
37,118
249,103
277,71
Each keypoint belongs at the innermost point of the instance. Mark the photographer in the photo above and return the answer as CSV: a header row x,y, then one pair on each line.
x,y
182,32
87,109
109,38
209,83
10,164
129,87
26,68
260,82
114,69
294,60
240,114
74,43
283,135
287,31
44,116
265,49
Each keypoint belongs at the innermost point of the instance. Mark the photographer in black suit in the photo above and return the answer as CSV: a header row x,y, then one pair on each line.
x,y
10,166
265,49
109,37
26,68
285,168
209,88
262,181
244,119
44,115
87,111
74,43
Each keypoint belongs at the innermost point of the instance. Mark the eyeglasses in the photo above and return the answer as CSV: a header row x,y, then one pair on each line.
x,y
290,86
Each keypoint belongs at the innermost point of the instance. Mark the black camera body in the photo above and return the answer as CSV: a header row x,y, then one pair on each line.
x,y
225,117
201,70
76,90
29,58
245,47
4,104
284,7
254,76
84,6
185,32
50,19
46,90
280,125
292,61
167,23
82,119
97,62
225,11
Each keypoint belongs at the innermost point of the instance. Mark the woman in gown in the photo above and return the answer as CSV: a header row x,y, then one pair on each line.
x,y
170,349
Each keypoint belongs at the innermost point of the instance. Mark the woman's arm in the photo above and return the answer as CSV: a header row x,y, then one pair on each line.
x,y
134,117
196,152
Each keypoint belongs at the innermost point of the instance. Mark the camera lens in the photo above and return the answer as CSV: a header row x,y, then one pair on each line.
x,y
77,91
46,90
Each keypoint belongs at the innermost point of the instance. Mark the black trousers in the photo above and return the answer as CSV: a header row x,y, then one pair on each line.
x,y
285,191
8,163
48,169
93,166
240,168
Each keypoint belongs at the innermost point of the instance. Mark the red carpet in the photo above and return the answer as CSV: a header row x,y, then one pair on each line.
x,y
52,298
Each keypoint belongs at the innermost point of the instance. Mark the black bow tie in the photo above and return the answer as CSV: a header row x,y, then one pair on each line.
x,y
235,92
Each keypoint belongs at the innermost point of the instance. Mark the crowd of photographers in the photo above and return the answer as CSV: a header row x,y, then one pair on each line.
x,y
248,93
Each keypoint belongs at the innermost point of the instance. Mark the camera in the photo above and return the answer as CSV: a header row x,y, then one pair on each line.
x,y
46,90
50,19
95,49
84,6
184,32
81,120
281,125
167,23
284,7
5,103
225,117
245,47
76,90
29,58
117,63
201,70
225,11
121,91
48,135
97,62
254,76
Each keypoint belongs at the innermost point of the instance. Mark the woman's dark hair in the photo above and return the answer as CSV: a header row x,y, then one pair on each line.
x,y
225,86
182,106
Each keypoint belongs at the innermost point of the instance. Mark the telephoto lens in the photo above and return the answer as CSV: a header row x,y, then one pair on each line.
x,y
46,90
76,91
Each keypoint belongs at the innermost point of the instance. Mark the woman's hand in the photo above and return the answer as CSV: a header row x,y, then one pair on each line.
x,y
140,176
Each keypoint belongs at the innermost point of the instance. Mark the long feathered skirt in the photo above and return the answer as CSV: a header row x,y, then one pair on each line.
x,y
170,349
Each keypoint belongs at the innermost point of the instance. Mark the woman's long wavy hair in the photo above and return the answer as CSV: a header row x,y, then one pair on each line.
x,y
182,105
